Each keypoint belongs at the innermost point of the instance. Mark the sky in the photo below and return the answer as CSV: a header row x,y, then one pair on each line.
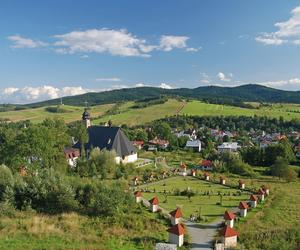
x,y
50,49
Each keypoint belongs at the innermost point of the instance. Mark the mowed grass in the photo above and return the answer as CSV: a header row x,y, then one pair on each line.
x,y
29,230
37,115
130,116
287,111
206,203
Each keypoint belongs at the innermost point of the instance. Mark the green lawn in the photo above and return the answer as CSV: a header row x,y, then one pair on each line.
x,y
288,111
208,205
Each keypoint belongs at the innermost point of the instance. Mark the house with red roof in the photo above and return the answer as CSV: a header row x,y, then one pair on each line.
x,y
138,144
194,172
206,165
183,169
72,155
243,206
229,237
266,189
176,234
154,204
253,201
222,180
241,184
138,196
229,218
176,216
261,194
206,176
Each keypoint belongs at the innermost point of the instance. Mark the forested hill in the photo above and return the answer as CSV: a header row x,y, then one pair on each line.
x,y
245,93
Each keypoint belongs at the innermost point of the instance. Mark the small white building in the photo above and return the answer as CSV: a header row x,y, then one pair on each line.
x,y
194,144
154,204
253,201
176,235
176,216
72,155
229,237
243,206
241,184
228,147
138,196
206,176
222,180
229,218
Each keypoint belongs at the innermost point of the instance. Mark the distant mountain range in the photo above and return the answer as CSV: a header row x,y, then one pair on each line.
x,y
244,93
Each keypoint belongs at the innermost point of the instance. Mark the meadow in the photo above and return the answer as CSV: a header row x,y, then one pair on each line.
x,y
211,207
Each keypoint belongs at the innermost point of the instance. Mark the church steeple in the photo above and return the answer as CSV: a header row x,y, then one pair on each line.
x,y
86,118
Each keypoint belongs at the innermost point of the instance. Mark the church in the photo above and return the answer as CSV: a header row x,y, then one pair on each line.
x,y
109,138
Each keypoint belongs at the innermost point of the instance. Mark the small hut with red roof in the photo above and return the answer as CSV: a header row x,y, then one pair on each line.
x,y
261,194
222,180
206,176
229,218
229,236
253,201
194,172
138,196
136,181
183,169
154,204
243,206
176,235
241,184
176,216
266,189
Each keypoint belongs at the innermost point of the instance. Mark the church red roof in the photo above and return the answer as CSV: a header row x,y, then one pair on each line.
x,y
154,201
178,229
176,213
253,197
228,232
229,215
243,205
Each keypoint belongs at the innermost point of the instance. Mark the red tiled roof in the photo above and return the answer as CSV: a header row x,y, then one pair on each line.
x,y
229,215
177,230
138,143
222,178
253,197
264,187
154,201
243,205
261,192
206,163
228,232
241,182
159,142
182,165
176,213
206,174
138,194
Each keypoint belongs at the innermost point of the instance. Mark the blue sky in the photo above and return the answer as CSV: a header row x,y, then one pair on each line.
x,y
54,48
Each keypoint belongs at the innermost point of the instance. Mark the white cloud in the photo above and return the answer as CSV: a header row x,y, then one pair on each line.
x,y
20,42
168,43
109,79
166,86
222,77
287,32
288,84
190,49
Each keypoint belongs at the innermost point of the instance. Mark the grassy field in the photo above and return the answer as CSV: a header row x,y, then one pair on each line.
x,y
288,111
207,204
29,230
39,114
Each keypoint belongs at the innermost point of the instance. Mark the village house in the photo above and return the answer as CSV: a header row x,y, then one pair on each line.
x,y
229,218
241,184
266,189
222,180
154,204
206,176
253,201
176,235
229,237
176,216
190,134
243,206
206,165
156,144
195,145
194,172
138,196
72,155
109,138
138,144
228,147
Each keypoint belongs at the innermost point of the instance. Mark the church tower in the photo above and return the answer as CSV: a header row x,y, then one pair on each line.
x,y
86,118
